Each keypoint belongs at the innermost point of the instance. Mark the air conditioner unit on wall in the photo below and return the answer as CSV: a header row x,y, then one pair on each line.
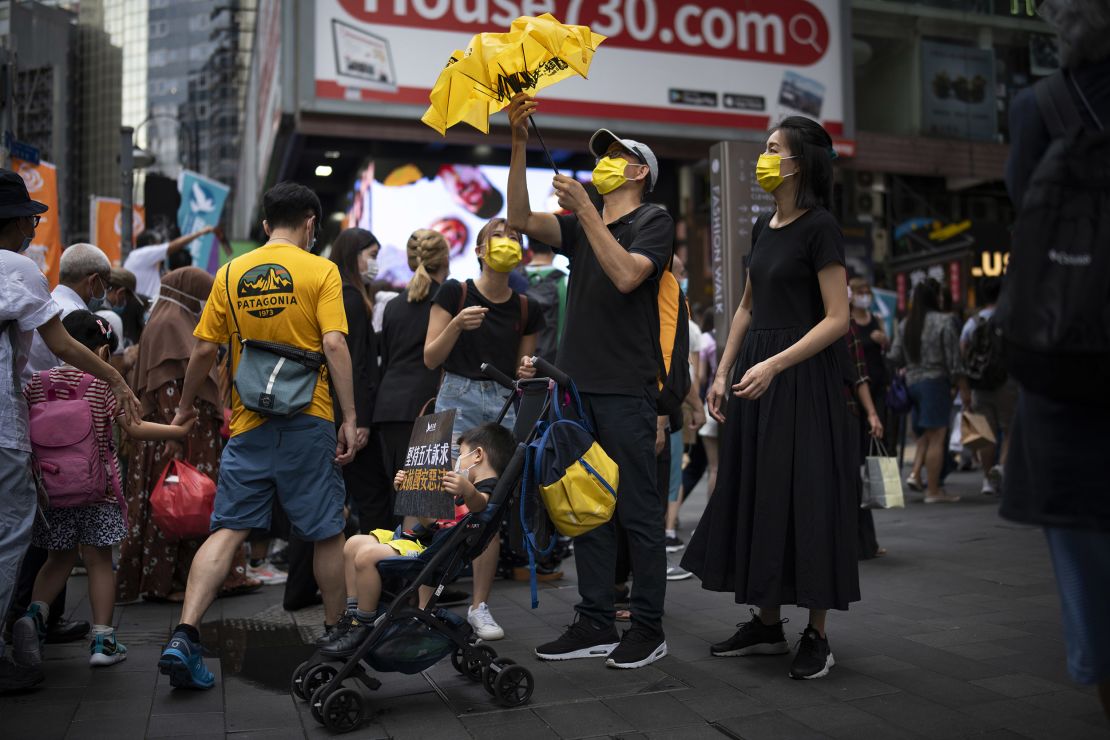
x,y
870,191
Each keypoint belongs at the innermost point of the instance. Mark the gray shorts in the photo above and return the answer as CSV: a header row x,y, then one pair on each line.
x,y
998,406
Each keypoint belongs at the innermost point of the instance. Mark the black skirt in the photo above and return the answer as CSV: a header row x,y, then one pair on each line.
x,y
780,527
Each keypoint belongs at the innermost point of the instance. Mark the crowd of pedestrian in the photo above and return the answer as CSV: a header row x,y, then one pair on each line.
x,y
785,402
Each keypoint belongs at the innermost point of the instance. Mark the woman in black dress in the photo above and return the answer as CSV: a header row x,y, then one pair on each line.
x,y
781,527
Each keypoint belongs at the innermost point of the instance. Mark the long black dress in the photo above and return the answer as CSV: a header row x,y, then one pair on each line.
x,y
781,525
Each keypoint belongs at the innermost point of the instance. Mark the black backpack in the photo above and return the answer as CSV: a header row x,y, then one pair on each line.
x,y
985,358
1054,310
548,289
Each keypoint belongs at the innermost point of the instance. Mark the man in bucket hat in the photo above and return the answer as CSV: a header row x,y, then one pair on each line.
x,y
26,306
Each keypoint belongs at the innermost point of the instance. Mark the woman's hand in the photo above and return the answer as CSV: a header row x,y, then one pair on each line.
x,y
526,369
876,425
756,381
715,396
697,418
470,318
126,401
399,481
362,436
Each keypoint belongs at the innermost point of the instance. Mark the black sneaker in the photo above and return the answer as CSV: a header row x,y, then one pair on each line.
x,y
18,677
639,647
349,643
336,631
814,658
753,638
674,544
583,639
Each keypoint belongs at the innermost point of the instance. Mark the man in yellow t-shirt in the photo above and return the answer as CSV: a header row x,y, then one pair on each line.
x,y
281,293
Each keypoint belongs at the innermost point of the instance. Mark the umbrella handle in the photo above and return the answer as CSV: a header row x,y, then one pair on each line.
x,y
539,136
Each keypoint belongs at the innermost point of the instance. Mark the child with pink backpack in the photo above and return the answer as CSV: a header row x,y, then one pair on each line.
x,y
71,415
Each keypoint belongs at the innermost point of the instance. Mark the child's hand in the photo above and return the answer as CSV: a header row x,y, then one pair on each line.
x,y
457,484
182,430
399,480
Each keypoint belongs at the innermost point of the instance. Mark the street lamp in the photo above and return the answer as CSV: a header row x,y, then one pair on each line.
x,y
132,158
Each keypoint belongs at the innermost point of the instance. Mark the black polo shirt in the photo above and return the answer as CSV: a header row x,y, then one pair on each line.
x,y
610,338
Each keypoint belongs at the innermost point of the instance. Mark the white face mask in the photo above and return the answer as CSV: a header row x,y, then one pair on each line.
x,y
458,463
371,270
862,301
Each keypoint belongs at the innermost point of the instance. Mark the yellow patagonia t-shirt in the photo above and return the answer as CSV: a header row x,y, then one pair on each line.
x,y
282,293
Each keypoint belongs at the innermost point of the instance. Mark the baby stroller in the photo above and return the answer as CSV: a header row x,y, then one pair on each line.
x,y
408,639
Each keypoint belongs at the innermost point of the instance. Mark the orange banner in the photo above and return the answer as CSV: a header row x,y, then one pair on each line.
x,y
106,225
42,185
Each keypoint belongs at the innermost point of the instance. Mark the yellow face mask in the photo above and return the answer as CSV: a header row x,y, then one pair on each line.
x,y
609,174
768,171
503,254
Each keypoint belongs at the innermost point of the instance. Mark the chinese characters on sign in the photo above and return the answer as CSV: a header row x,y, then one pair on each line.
x,y
428,459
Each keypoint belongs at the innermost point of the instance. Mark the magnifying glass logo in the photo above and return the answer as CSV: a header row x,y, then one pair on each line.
x,y
796,25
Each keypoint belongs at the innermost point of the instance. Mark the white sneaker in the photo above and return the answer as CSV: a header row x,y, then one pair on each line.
x,y
678,573
268,574
994,477
988,489
485,626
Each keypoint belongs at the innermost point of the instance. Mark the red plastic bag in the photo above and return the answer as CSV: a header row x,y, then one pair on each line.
x,y
181,504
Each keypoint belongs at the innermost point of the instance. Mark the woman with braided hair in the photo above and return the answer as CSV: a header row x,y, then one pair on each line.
x,y
406,384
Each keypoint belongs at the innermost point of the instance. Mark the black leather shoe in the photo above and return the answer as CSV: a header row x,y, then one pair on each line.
x,y
66,631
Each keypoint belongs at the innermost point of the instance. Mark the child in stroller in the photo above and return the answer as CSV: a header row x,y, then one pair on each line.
x,y
414,634
486,450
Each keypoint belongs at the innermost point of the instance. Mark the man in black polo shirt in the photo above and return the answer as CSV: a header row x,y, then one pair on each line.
x,y
609,337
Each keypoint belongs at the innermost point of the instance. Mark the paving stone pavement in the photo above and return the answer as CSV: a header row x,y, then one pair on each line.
x,y
958,635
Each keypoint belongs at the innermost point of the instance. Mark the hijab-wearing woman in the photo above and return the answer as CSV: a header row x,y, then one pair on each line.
x,y
472,323
407,384
781,526
355,252
150,566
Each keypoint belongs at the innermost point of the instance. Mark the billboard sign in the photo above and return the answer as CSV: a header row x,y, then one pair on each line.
x,y
958,91
712,64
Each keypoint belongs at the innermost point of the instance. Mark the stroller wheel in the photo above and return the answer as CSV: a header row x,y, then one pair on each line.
x,y
315,677
513,686
457,661
492,671
342,710
475,664
316,703
296,682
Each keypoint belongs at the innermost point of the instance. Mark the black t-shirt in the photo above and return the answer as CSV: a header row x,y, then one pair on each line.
x,y
783,268
872,352
610,338
497,340
363,346
406,383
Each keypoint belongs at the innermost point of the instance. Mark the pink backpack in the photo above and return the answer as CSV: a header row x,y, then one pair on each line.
x,y
63,438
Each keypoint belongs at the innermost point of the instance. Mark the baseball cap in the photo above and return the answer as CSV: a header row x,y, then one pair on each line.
x,y
603,138
121,278
14,199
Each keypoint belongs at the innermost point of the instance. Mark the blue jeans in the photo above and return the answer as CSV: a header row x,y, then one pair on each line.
x,y
1081,560
476,402
17,517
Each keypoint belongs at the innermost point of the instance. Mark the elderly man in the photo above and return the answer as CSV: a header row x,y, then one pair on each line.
x,y
83,277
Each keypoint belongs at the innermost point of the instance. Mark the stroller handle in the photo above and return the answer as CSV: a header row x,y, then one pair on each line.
x,y
497,376
546,368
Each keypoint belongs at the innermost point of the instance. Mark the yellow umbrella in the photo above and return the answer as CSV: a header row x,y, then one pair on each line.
x,y
535,53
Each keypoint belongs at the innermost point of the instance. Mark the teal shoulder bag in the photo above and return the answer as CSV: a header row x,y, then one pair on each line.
x,y
272,378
